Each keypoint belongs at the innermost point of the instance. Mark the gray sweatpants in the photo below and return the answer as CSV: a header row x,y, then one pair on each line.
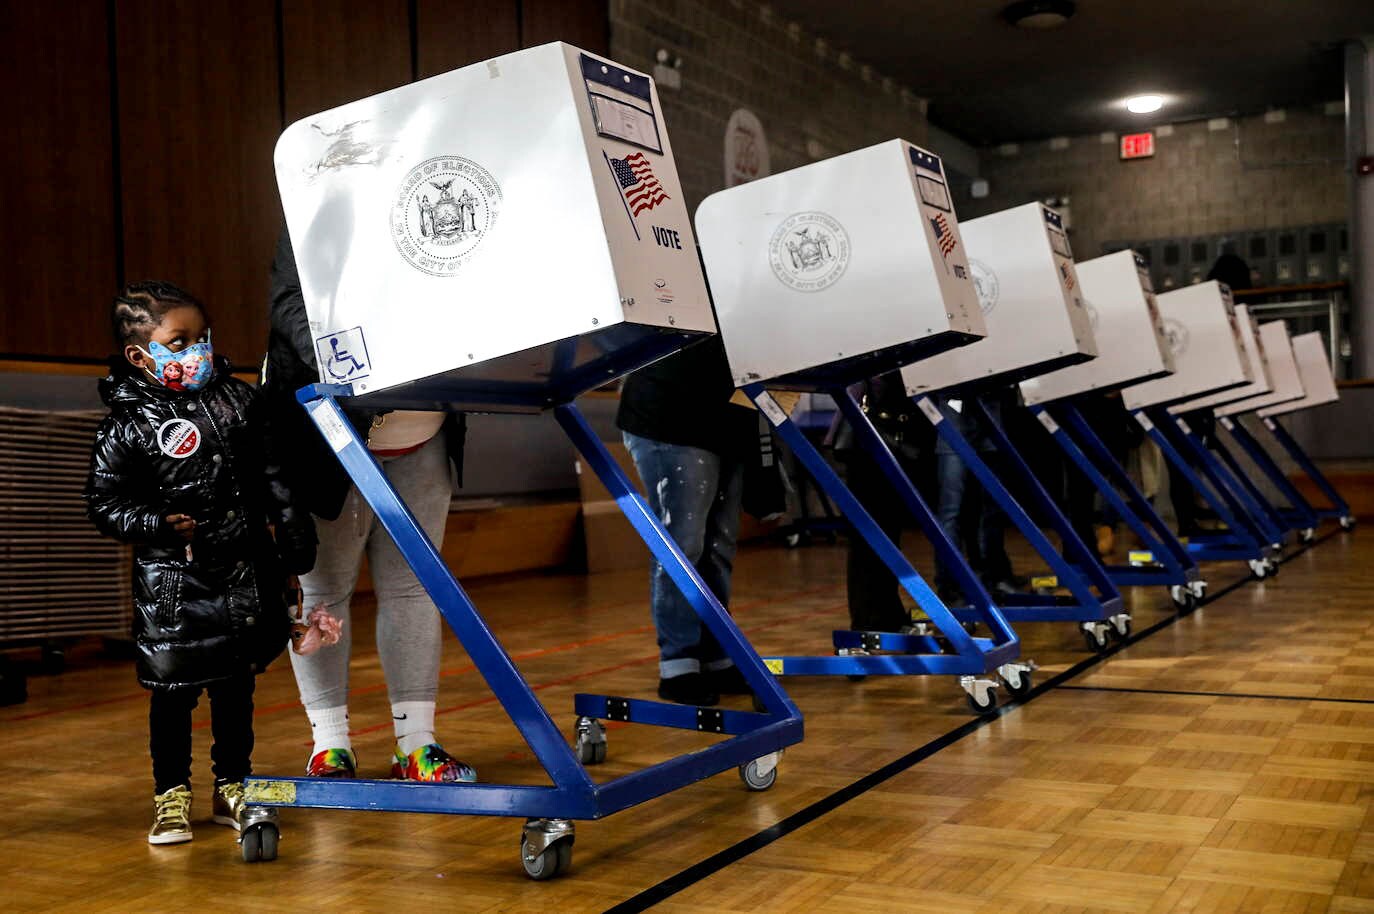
x,y
408,633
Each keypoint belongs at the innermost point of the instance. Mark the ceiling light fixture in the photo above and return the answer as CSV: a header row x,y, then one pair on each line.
x,y
1144,104
1039,14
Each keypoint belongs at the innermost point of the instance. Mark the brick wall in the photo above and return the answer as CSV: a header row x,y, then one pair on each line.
x,y
812,105
1200,181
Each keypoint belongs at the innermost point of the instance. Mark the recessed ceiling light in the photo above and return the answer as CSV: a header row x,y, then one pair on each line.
x,y
1039,14
1144,104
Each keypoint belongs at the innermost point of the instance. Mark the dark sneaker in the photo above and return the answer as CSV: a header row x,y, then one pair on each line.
x,y
688,689
728,681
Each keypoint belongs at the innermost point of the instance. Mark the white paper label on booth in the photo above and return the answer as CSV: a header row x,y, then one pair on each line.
x,y
1048,421
331,426
1144,421
929,408
621,104
770,408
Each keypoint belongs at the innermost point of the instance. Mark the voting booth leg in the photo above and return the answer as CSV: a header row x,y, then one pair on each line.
x,y
756,738
1290,518
1301,510
1190,445
948,649
1166,561
1340,508
1237,542
1093,600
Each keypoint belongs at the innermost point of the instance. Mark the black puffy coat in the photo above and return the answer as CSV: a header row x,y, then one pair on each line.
x,y
222,612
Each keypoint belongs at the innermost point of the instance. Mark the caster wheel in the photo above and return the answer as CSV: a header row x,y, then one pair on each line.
x,y
756,776
852,677
1347,523
1095,638
547,864
1017,682
792,540
1120,631
1307,536
981,707
1259,570
590,741
259,842
1273,568
1185,601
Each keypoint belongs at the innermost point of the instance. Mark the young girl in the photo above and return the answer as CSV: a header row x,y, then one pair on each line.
x,y
181,470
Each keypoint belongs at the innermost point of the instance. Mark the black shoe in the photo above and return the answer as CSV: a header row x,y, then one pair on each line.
x,y
729,681
688,689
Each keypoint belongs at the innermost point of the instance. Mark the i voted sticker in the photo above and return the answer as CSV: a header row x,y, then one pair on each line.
x,y
178,438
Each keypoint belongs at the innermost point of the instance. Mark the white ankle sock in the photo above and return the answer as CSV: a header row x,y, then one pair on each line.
x,y
414,722
330,728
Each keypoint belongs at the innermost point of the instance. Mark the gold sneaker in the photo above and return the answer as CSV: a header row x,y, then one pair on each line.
x,y
171,816
229,804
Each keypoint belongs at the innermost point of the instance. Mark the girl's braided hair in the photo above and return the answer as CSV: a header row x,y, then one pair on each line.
x,y
141,306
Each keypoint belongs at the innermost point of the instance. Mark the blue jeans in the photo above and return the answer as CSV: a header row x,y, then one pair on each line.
x,y
696,494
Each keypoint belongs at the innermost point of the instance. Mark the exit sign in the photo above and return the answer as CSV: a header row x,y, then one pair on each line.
x,y
1137,145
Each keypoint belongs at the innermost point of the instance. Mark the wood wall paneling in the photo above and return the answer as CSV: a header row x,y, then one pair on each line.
x,y
57,194
450,35
339,52
584,23
198,117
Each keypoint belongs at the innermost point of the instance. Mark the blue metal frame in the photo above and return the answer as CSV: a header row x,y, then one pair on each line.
x,y
1340,508
923,654
573,795
1078,569
1242,540
1300,512
1281,517
1172,566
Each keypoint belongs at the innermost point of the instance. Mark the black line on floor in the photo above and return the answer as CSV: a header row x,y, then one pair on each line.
x,y
1088,688
741,849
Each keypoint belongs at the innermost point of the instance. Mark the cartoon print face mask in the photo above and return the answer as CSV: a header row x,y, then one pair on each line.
x,y
186,370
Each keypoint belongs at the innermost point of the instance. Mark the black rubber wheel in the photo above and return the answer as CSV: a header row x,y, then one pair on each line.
x,y
1116,635
1016,691
1347,523
749,774
981,709
855,677
53,660
268,840
1187,604
553,860
1093,644
250,845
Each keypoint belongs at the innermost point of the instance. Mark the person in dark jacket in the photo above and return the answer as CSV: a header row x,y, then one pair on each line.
x,y
415,450
690,445
181,469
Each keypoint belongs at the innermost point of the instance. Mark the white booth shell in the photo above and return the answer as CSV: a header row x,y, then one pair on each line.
x,y
1023,270
1259,368
838,270
1204,337
517,226
1124,317
1283,373
1314,371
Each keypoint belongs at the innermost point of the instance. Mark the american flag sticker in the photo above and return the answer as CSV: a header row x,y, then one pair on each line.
x,y
944,236
1065,272
637,182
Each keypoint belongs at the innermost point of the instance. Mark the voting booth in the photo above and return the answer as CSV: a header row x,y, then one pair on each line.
x,y
1259,370
1306,381
1284,381
1124,318
503,238
1031,301
1209,357
827,275
1204,338
840,270
514,230
1132,348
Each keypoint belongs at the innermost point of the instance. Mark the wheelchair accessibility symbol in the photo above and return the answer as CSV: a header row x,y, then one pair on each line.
x,y
343,356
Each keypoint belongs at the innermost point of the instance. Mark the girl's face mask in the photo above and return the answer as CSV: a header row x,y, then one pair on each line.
x,y
187,370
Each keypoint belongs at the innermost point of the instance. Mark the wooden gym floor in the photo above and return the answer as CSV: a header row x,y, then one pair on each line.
x,y
1221,762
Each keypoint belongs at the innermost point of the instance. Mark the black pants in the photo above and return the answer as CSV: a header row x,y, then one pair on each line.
x,y
875,603
231,725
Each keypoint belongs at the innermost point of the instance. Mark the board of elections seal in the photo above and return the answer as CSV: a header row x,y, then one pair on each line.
x,y
1092,313
178,438
809,251
985,284
1177,335
445,207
